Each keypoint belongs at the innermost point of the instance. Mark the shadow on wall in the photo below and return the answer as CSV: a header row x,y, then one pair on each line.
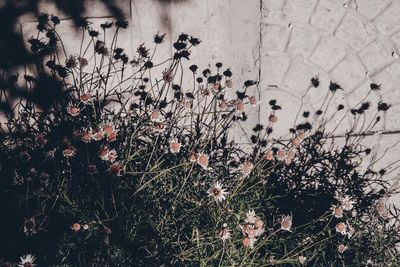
x,y
165,17
14,57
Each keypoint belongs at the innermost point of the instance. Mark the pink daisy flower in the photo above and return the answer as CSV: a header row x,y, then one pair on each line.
x,y
269,156
86,137
259,223
286,222
115,169
253,101
73,110
341,228
97,135
202,160
85,98
337,211
111,137
156,116
229,83
342,248
302,260
272,118
295,142
193,157
239,108
76,227
174,146
112,155
69,152
301,135
281,155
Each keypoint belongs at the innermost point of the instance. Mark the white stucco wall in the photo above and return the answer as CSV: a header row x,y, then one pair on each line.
x,y
282,44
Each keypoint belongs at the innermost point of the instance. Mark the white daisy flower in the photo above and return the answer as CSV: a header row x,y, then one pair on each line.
x,y
341,228
342,248
252,232
250,217
350,230
112,155
29,226
217,192
159,126
27,261
302,259
337,211
291,154
224,234
347,204
370,263
108,155
286,222
259,223
97,135
104,154
247,167
382,210
187,104
271,259
246,228
380,207
259,231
